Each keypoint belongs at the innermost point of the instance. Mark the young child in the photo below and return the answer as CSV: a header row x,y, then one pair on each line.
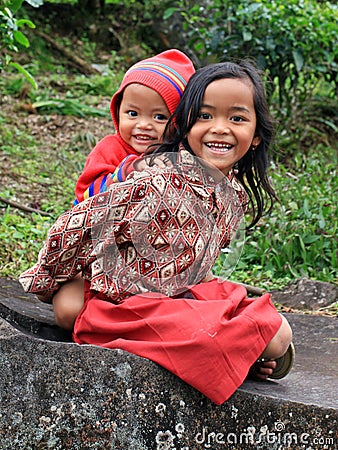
x,y
148,95
140,109
145,245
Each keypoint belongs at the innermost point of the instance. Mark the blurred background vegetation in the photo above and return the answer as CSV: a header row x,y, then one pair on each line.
x,y
66,58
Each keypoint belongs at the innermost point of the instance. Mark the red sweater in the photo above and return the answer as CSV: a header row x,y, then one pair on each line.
x,y
102,161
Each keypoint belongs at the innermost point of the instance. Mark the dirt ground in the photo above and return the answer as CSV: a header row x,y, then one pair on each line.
x,y
49,132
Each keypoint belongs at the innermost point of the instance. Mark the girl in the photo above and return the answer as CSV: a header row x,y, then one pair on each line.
x,y
165,228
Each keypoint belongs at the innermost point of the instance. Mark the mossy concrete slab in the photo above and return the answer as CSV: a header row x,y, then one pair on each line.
x,y
59,395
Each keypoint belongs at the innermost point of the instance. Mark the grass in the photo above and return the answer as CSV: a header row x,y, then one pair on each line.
x,y
40,169
299,238
21,237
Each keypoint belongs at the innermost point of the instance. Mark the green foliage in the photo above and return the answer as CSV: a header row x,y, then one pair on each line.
x,y
47,177
299,238
59,94
295,42
69,107
142,11
20,240
144,20
11,36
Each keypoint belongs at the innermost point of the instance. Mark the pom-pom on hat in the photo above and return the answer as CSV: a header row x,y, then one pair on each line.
x,y
167,73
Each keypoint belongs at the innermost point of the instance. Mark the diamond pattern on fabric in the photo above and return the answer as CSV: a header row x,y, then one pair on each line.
x,y
158,231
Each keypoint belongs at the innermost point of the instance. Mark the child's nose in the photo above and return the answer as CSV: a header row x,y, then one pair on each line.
x,y
144,122
221,127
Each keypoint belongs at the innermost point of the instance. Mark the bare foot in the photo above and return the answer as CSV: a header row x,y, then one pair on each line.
x,y
261,370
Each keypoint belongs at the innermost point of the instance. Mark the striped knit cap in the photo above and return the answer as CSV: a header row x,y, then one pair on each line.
x,y
167,73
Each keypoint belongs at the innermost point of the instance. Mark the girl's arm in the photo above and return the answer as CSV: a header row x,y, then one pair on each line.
x,y
66,252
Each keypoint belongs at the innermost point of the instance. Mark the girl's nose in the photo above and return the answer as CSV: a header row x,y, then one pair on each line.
x,y
220,127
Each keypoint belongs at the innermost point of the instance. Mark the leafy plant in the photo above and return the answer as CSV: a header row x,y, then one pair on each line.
x,y
20,240
299,238
11,35
68,107
294,42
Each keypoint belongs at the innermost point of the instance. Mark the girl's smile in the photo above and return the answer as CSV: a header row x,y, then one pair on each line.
x,y
219,147
225,128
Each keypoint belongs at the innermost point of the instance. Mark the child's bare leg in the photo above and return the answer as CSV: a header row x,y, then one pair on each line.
x,y
68,302
280,342
276,348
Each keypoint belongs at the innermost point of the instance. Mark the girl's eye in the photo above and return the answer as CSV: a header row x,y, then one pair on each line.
x,y
160,117
132,113
237,119
204,116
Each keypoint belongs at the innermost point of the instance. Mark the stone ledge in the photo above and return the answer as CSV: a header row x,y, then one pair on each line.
x,y
59,395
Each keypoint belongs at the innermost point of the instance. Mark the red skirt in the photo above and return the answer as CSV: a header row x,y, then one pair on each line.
x,y
210,341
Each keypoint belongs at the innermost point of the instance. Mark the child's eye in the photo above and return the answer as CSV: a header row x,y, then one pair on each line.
x,y
132,113
160,117
204,116
237,119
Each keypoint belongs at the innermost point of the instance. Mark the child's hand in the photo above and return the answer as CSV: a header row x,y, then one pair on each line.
x,y
159,161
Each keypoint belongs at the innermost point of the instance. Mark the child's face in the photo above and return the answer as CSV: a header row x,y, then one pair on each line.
x,y
142,117
225,128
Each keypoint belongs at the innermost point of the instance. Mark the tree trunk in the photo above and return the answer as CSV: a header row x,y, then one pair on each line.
x,y
80,63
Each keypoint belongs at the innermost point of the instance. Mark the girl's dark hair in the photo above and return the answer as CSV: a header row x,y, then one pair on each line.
x,y
251,169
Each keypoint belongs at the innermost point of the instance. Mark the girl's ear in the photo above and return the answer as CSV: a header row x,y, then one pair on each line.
x,y
255,141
